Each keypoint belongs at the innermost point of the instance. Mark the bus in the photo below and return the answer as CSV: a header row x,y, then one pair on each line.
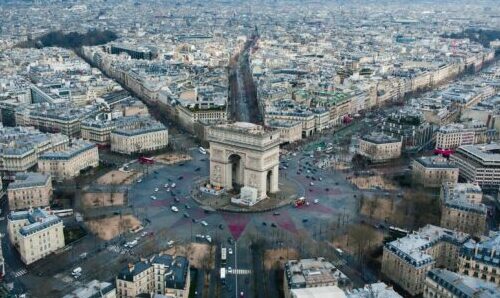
x,y
146,160
223,275
223,256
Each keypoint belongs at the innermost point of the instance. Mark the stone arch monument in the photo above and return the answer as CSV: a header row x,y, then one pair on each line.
x,y
244,154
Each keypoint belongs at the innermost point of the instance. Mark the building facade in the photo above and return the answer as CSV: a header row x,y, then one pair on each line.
x,y
161,274
482,259
29,190
137,135
479,164
68,163
379,147
35,233
433,171
461,208
407,260
454,135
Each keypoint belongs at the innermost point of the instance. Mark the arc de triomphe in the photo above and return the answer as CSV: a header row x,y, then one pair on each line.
x,y
244,154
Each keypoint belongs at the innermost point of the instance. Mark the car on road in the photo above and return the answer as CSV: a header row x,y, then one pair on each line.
x,y
197,169
273,225
208,238
230,251
166,185
173,208
187,206
221,227
180,178
316,201
153,198
173,185
311,183
276,213
186,215
204,223
157,189
305,220
177,199
230,240
229,270
264,223
139,181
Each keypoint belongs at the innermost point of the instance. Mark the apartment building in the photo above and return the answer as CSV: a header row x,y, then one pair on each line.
x,y
161,274
35,233
29,190
379,147
444,283
410,127
461,208
407,260
303,274
479,164
481,259
290,131
21,147
455,135
137,135
433,171
68,163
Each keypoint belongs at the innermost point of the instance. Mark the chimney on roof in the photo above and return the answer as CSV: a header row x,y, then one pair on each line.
x,y
131,267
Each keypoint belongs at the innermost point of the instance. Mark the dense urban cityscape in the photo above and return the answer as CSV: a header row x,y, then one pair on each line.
x,y
250,148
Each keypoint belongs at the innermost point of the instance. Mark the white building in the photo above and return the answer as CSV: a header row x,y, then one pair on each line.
x,y
35,233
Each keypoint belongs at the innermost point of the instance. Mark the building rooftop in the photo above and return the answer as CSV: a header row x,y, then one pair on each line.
x,y
93,289
77,147
376,290
436,161
463,286
29,179
484,153
487,250
38,220
315,272
412,247
379,138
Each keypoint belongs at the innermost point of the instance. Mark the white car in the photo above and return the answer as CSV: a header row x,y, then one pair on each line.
x,y
229,270
209,239
312,183
173,208
316,201
168,189
204,223
166,185
230,251
157,189
139,181
173,185
153,198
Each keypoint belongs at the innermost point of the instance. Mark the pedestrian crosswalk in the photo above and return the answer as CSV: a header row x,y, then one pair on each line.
x,y
241,271
20,272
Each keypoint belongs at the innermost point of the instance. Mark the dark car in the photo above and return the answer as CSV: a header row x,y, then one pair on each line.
x,y
186,215
276,213
177,199
264,224
221,227
180,178
197,169
187,206
273,225
327,189
305,220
